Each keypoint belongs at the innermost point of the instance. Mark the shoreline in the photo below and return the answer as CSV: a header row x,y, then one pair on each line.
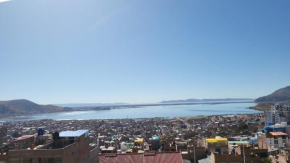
x,y
26,117
154,118
182,117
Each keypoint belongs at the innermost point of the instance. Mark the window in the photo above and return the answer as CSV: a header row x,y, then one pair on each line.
x,y
50,160
20,160
275,141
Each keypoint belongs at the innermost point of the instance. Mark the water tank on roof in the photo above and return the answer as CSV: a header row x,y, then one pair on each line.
x,y
124,146
40,132
155,138
233,151
55,135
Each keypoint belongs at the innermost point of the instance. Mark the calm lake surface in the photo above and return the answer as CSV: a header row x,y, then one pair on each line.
x,y
169,111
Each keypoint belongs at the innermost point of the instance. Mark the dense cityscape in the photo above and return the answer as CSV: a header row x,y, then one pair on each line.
x,y
256,138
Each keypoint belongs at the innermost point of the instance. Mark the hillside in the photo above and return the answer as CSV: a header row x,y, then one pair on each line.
x,y
19,107
280,95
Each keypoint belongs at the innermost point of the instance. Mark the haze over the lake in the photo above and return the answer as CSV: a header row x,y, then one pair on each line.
x,y
146,112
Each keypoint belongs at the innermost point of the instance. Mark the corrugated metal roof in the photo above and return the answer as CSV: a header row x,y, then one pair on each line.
x,y
278,133
170,157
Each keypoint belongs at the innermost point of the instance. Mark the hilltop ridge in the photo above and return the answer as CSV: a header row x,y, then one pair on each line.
x,y
22,106
279,95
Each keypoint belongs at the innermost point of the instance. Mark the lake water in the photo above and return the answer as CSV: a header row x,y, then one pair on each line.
x,y
169,111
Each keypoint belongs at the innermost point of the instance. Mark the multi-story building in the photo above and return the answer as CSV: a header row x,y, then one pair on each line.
x,y
245,154
23,142
272,116
217,145
277,139
277,114
273,140
66,147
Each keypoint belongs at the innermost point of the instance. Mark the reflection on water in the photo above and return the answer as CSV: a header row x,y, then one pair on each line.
x,y
146,112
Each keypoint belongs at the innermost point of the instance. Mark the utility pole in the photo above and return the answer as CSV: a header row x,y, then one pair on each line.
x,y
194,155
244,154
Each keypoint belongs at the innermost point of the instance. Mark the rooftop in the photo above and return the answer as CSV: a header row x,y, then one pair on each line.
x,y
238,142
23,137
77,133
278,134
216,139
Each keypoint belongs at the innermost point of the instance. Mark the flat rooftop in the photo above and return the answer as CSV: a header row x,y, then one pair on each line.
x,y
238,142
77,133
24,137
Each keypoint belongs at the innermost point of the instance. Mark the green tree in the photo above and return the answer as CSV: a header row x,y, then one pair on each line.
x,y
16,134
266,160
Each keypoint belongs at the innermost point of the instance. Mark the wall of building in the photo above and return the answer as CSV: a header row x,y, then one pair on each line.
x,y
199,153
94,155
78,152
278,142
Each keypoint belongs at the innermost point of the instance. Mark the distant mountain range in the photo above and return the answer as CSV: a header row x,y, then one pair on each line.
x,y
207,100
90,104
19,107
280,95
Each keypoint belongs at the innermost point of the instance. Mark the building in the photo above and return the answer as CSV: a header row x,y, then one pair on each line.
x,y
277,114
276,139
164,130
217,145
249,156
273,140
23,142
278,127
272,116
194,153
150,157
66,147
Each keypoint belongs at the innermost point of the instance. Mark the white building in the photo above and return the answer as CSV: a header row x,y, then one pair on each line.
x,y
277,114
277,139
164,130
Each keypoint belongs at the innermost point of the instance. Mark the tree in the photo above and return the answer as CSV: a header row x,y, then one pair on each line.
x,y
266,160
16,134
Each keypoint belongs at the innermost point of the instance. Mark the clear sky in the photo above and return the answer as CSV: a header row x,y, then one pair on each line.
x,y
140,51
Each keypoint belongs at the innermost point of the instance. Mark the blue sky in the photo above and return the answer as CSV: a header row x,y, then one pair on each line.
x,y
132,51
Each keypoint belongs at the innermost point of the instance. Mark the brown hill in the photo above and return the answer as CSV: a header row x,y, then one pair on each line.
x,y
280,95
24,107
